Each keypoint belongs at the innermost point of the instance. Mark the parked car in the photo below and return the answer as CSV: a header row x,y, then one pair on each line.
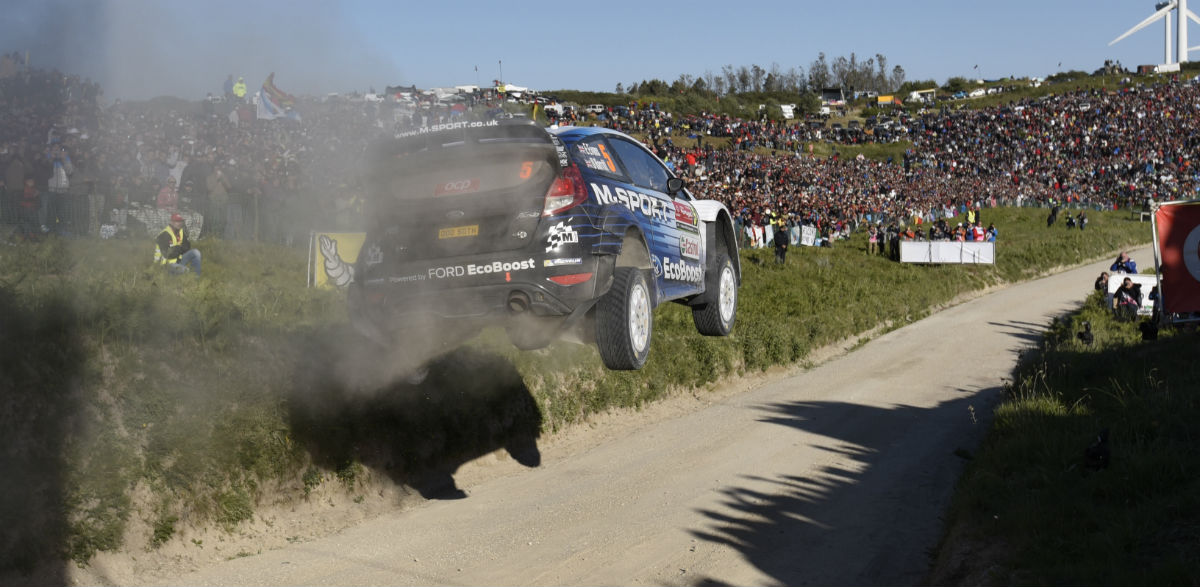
x,y
575,233
594,108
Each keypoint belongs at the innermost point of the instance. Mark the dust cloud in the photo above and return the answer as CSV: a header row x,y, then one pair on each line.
x,y
140,49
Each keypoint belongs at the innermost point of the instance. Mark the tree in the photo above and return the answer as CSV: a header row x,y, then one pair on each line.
x,y
683,84
808,103
743,79
818,74
915,85
955,84
756,78
882,83
771,84
898,78
620,89
730,76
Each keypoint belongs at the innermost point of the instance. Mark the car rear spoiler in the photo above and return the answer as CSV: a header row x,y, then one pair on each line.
x,y
453,134
461,134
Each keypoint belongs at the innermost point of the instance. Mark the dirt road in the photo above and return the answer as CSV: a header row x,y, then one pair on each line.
x,y
835,475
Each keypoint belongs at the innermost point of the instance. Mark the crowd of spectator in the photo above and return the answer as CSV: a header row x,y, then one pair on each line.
x,y
1100,149
277,179
236,175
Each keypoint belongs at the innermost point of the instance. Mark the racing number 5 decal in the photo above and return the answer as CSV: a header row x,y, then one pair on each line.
x,y
526,169
603,151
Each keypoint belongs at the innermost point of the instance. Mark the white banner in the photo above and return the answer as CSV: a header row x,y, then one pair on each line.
x,y
948,252
1147,283
808,235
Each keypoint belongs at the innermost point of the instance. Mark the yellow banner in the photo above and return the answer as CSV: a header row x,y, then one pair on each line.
x,y
331,258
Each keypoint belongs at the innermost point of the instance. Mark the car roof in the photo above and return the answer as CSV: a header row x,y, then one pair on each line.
x,y
579,132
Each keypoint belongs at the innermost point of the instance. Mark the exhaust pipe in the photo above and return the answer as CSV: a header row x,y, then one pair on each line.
x,y
518,302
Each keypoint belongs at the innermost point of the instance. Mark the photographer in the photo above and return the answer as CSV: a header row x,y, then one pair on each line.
x,y
1123,264
174,249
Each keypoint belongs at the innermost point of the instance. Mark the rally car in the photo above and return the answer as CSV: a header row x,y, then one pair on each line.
x,y
560,233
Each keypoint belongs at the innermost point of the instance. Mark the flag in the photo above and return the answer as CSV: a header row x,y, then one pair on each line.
x,y
279,96
1178,241
275,103
270,110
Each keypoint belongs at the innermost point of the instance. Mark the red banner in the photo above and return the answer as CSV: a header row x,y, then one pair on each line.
x,y
1179,250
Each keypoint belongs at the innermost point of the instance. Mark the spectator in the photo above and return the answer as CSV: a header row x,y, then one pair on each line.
x,y
174,249
1123,264
168,196
28,206
781,246
1128,299
239,89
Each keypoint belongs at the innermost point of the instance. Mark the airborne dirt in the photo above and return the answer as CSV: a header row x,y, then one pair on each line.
x,y
838,474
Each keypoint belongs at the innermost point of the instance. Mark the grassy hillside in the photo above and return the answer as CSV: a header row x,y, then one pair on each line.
x,y
134,401
1034,508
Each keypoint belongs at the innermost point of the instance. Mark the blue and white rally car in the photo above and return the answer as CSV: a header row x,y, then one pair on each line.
x,y
572,233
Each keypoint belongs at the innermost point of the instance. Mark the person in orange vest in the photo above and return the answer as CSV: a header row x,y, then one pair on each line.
x,y
174,249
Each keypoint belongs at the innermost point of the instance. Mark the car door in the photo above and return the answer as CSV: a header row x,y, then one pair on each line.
x,y
674,229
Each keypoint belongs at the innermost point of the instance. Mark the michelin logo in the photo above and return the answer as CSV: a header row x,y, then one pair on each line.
x,y
680,271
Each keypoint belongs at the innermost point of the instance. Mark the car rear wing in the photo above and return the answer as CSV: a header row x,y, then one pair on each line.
x,y
465,157
466,133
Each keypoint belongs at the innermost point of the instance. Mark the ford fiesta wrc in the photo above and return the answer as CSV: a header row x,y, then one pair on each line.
x,y
562,233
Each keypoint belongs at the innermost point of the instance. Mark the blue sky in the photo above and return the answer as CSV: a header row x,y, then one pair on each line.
x,y
146,48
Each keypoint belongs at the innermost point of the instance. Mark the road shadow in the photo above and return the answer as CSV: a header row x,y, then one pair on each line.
x,y
470,403
826,529
41,358
1026,331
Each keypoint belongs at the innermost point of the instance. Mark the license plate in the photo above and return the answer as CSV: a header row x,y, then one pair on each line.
x,y
459,231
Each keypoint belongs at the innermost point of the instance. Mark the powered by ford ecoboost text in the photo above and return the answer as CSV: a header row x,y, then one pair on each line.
x,y
573,233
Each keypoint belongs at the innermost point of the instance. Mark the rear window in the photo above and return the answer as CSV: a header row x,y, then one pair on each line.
x,y
473,170
595,154
463,158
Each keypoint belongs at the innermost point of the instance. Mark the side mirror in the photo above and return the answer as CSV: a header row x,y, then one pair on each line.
x,y
674,184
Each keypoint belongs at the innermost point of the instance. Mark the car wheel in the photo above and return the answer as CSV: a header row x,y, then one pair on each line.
x,y
624,321
716,316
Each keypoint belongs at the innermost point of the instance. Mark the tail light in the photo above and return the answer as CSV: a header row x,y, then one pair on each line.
x,y
572,279
566,192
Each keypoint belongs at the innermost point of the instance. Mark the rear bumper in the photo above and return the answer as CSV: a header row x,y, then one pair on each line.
x,y
389,310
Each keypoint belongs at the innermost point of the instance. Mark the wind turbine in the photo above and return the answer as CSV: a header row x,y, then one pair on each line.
x,y
1163,11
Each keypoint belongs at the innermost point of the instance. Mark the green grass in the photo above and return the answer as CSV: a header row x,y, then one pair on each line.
x,y
1136,522
209,390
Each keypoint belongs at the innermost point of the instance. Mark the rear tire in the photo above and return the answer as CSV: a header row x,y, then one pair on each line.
x,y
716,316
625,321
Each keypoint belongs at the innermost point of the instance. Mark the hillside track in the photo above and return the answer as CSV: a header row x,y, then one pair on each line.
x,y
839,474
